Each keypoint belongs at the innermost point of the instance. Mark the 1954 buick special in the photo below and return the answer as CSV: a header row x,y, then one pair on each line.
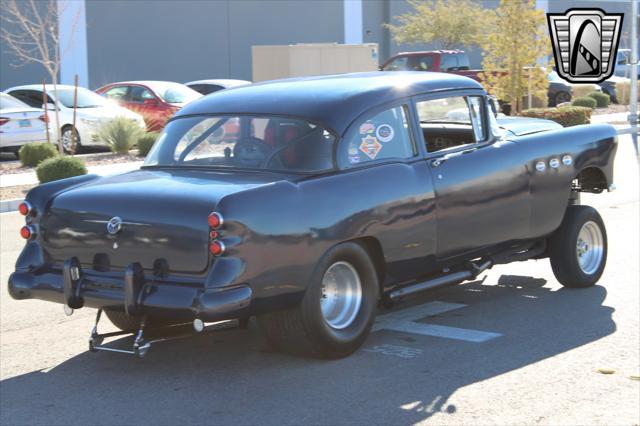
x,y
336,194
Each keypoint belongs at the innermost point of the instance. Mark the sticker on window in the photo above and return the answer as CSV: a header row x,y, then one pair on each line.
x,y
366,128
370,146
384,133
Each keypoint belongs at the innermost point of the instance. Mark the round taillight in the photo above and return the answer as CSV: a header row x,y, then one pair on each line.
x,y
24,208
27,232
215,220
217,248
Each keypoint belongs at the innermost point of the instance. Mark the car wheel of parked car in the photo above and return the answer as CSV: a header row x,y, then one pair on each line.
x,y
132,322
562,97
337,311
578,249
67,140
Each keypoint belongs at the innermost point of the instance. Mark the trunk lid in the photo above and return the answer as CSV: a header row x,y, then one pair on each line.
x,y
164,216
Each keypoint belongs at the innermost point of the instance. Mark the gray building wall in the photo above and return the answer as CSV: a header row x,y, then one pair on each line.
x,y
189,40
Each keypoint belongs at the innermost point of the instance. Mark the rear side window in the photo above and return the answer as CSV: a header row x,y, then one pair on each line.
x,y
384,135
32,98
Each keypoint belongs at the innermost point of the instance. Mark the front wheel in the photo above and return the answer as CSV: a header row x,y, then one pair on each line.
x,y
578,249
337,311
68,144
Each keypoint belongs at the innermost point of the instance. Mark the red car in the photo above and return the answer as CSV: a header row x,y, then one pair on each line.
x,y
450,61
156,101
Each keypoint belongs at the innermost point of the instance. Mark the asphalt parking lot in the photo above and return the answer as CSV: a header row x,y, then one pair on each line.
x,y
513,347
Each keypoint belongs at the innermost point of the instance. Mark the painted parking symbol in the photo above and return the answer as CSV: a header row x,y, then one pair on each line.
x,y
405,321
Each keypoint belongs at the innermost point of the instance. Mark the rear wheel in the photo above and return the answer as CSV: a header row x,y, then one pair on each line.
x,y
578,249
337,311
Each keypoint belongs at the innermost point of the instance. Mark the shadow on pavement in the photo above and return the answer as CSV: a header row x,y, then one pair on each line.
x,y
232,378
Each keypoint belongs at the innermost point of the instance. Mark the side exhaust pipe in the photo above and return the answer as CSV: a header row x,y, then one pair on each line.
x,y
442,281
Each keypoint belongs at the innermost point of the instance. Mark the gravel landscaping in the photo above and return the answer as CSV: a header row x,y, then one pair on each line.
x,y
13,167
12,192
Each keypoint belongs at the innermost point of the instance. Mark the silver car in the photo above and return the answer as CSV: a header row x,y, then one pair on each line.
x,y
20,124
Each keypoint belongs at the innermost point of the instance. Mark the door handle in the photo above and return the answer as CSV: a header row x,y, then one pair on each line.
x,y
438,161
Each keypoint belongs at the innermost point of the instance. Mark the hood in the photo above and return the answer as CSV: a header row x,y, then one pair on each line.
x,y
164,216
520,126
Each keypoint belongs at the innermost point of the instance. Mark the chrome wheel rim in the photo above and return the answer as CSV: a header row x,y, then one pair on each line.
x,y
341,295
590,247
67,139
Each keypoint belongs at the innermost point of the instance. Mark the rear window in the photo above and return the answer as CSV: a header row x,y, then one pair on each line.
x,y
9,102
246,142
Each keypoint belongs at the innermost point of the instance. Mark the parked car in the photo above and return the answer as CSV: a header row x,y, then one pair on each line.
x,y
623,64
92,110
560,91
449,61
210,86
156,101
342,191
20,124
609,87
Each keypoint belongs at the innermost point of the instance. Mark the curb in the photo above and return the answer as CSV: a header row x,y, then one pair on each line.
x,y
10,205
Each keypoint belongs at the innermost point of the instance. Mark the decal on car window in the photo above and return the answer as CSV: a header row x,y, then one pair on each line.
x,y
385,133
370,146
367,128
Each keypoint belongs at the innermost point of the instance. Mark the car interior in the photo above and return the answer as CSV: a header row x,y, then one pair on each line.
x,y
446,123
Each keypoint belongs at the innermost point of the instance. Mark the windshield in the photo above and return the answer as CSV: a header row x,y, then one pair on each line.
x,y
244,142
86,98
9,102
176,93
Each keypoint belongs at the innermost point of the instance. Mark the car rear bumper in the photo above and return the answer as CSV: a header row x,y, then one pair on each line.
x,y
131,292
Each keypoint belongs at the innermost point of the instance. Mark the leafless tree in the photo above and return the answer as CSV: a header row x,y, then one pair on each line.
x,y
30,30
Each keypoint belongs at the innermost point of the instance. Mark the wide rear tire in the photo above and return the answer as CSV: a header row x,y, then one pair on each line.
x,y
578,249
337,311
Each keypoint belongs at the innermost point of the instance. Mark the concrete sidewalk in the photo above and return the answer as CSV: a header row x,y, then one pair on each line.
x,y
102,170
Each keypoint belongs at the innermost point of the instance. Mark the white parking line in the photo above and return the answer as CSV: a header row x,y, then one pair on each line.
x,y
404,321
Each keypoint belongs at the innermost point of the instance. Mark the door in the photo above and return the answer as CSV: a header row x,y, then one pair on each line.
x,y
144,102
481,188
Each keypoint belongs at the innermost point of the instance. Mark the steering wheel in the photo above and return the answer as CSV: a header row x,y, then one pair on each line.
x,y
251,152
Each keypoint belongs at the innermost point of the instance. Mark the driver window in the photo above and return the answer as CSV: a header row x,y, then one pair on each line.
x,y
382,136
451,122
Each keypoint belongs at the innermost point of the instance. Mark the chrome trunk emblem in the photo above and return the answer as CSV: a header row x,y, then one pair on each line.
x,y
114,225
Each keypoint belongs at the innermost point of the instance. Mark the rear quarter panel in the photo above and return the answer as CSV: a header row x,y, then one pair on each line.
x,y
277,234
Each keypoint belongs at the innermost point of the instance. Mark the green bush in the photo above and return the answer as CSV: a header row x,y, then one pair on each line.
x,y
582,90
60,168
33,154
623,92
120,134
567,116
145,142
602,99
585,102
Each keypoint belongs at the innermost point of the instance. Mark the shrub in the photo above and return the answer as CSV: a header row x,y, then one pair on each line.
x,y
623,92
585,102
582,90
145,142
602,99
120,134
60,168
33,154
567,116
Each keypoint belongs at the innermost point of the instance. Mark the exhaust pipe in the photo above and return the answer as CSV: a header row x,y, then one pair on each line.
x,y
442,281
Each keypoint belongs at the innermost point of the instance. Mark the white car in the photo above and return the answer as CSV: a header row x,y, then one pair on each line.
x,y
19,124
92,110
210,86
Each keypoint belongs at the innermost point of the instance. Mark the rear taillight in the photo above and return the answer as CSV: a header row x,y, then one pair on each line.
x,y
28,232
215,220
4,120
217,248
24,208
44,118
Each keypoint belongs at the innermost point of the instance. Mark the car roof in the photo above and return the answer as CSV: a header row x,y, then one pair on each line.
x,y
332,100
150,83
38,87
224,82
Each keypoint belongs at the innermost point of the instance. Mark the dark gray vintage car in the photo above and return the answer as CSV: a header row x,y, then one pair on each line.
x,y
308,203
